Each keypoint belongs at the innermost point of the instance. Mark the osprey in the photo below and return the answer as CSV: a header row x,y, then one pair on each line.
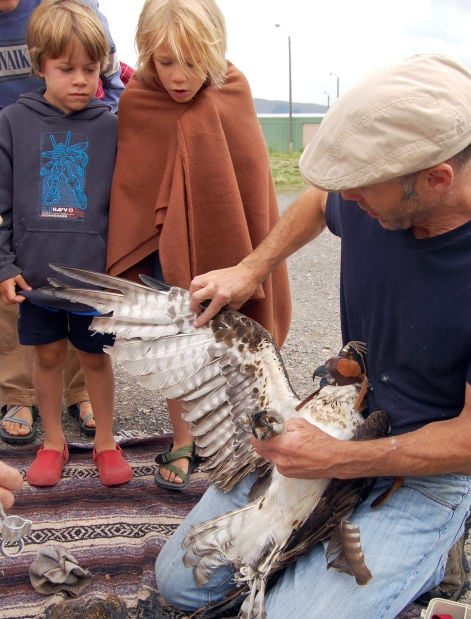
x,y
231,378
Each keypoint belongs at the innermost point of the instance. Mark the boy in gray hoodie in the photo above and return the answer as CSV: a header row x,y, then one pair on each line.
x,y
57,153
18,404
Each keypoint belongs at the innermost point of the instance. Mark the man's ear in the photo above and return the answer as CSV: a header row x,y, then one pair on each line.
x,y
438,178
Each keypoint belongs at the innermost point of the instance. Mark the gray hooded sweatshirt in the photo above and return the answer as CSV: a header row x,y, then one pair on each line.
x,y
55,181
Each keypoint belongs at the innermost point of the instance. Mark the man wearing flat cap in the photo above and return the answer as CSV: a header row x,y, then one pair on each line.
x,y
390,169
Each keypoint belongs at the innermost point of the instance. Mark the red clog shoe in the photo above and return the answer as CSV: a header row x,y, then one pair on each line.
x,y
46,469
112,466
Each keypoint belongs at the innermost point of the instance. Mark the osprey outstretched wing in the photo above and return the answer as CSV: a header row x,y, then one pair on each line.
x,y
230,377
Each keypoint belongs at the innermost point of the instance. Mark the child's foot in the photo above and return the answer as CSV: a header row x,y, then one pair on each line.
x,y
175,467
47,467
112,466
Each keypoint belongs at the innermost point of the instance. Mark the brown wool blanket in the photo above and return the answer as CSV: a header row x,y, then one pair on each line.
x,y
193,180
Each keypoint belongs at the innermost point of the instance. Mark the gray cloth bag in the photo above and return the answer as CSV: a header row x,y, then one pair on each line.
x,y
54,569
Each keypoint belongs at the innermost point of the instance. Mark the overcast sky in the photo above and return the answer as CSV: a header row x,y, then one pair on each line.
x,y
349,38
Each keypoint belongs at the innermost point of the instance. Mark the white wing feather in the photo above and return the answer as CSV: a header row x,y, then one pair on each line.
x,y
219,371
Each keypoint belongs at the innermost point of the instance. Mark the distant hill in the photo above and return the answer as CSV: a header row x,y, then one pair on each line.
x,y
265,106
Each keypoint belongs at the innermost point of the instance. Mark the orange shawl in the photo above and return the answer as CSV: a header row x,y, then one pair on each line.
x,y
193,180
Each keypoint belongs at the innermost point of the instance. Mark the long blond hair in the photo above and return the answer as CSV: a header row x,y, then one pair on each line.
x,y
193,30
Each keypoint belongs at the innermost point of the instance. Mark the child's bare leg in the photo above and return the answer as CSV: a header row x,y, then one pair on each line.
x,y
181,436
48,365
99,379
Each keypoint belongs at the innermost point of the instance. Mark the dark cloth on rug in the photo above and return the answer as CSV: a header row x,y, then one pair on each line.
x,y
184,184
54,569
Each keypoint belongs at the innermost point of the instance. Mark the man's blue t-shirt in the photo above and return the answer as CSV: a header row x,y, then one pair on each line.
x,y
410,300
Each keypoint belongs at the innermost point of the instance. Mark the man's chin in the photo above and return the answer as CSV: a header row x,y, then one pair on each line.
x,y
392,225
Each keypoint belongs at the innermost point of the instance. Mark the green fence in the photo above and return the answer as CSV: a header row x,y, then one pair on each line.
x,y
276,129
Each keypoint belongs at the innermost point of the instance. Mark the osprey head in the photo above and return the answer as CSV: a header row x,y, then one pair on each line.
x,y
346,368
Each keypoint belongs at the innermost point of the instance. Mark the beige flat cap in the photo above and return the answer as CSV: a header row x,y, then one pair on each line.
x,y
406,117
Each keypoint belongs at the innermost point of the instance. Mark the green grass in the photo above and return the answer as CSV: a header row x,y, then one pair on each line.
x,y
285,170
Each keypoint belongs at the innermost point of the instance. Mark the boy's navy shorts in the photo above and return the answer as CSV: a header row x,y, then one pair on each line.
x,y
38,325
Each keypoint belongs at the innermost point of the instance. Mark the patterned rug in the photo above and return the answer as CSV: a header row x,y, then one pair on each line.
x,y
115,533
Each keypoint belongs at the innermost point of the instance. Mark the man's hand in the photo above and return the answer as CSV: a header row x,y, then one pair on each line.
x,y
302,452
232,287
8,289
10,480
